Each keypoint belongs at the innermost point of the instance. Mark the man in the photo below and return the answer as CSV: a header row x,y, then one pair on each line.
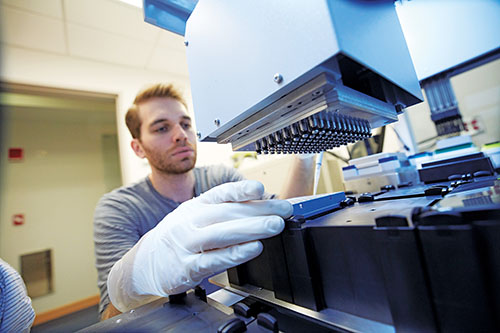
x,y
147,244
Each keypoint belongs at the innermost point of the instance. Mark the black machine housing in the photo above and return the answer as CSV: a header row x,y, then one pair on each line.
x,y
433,267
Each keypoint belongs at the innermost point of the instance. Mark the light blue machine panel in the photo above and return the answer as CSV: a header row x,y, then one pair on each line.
x,y
169,14
446,33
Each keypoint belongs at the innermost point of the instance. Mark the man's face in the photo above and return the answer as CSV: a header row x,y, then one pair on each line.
x,y
167,137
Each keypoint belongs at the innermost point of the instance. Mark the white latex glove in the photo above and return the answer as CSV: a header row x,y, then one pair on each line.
x,y
205,235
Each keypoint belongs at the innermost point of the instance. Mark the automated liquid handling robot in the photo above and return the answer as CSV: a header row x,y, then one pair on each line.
x,y
301,77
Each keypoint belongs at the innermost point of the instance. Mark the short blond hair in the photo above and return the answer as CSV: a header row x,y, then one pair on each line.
x,y
132,118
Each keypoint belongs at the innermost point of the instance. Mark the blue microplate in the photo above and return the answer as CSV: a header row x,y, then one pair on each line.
x,y
316,204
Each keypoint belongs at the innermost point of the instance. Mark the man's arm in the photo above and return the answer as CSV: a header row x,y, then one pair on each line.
x,y
301,177
114,235
109,311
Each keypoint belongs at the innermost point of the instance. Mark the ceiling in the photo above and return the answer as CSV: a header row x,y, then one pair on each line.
x,y
106,31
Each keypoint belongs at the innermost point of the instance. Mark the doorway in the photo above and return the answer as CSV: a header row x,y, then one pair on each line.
x,y
59,155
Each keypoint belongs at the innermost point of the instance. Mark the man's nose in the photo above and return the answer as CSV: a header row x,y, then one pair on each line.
x,y
179,134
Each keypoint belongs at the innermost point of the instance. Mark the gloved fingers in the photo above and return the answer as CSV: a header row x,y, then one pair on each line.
x,y
233,192
224,234
236,210
208,263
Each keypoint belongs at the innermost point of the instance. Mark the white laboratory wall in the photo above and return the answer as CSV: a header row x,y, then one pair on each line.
x,y
274,172
271,170
478,95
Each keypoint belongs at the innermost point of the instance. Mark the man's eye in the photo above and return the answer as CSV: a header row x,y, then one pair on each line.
x,y
186,125
161,129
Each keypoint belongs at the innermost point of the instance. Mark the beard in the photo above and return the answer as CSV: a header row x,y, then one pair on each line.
x,y
165,163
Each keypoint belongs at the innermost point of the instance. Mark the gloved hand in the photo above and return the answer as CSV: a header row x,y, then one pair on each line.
x,y
205,235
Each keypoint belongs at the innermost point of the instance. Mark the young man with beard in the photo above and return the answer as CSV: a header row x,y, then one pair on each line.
x,y
181,224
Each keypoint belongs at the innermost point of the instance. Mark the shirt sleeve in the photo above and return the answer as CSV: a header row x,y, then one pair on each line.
x,y
16,312
115,233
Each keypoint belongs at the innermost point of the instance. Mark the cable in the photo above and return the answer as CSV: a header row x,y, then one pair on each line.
x,y
343,159
319,160
400,139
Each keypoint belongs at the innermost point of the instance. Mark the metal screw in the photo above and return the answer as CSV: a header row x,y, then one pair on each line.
x,y
186,43
278,78
198,134
217,122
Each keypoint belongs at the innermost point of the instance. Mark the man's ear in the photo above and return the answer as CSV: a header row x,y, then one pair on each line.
x,y
137,148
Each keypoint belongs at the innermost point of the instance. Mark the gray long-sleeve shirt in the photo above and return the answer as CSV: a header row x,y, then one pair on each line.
x,y
124,215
